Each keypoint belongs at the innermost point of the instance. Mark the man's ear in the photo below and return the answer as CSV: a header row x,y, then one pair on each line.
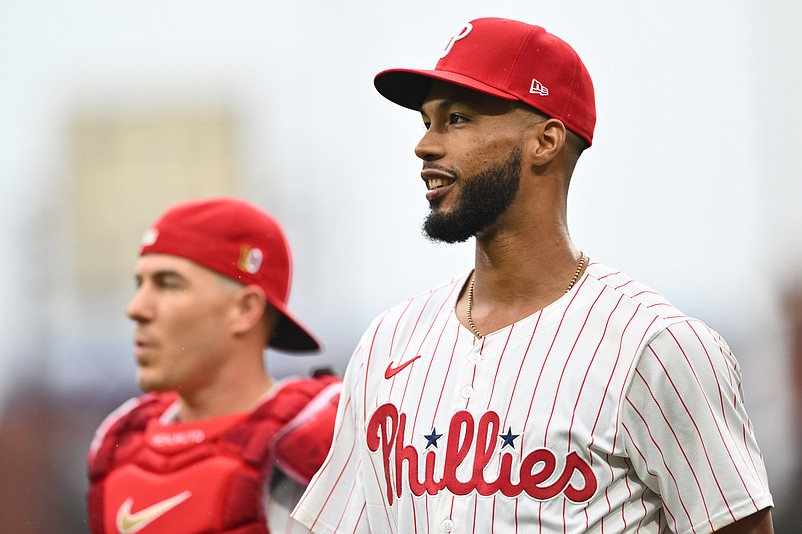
x,y
545,141
249,308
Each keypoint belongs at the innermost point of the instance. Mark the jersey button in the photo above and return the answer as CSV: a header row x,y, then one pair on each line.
x,y
467,392
475,358
447,525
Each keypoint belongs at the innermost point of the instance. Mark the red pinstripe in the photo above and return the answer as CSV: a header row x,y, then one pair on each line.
x,y
385,505
565,365
665,464
448,370
643,503
348,500
649,470
328,460
414,517
426,497
367,369
498,365
336,483
590,364
632,364
493,516
521,366
546,358
431,326
612,373
392,340
439,310
359,519
473,380
625,284
682,450
428,371
718,428
475,501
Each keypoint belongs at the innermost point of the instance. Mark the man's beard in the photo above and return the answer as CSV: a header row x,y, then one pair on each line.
x,y
482,199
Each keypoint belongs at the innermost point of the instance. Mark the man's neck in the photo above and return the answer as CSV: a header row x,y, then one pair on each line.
x,y
515,276
221,400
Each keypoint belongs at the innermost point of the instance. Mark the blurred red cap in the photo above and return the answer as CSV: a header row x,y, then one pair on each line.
x,y
240,241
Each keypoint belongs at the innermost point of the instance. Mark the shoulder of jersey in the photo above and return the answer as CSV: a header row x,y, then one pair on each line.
x,y
442,291
445,288
637,292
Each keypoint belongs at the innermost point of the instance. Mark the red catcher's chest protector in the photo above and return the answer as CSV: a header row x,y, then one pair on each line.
x,y
207,476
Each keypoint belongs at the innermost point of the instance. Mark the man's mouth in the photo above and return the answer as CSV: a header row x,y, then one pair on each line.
x,y
436,178
434,183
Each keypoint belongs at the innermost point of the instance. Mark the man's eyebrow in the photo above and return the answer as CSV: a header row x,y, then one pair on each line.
x,y
160,274
441,103
167,273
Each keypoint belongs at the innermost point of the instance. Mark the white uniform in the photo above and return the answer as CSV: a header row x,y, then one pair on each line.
x,y
607,411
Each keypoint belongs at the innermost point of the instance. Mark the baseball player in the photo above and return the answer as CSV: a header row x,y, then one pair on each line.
x,y
216,444
541,391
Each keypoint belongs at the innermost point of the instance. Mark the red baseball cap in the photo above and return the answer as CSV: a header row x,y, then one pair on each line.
x,y
239,241
510,60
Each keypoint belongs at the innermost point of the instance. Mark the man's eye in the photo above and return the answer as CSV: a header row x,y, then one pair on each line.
x,y
167,283
456,118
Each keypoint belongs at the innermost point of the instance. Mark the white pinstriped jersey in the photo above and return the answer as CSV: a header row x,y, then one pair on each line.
x,y
607,411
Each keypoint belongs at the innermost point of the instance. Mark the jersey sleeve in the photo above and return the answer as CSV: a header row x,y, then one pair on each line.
x,y
334,501
687,432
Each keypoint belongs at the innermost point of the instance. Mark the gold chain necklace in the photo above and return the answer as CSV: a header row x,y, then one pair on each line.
x,y
476,331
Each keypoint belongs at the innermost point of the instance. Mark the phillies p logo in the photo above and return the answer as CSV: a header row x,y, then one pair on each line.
x,y
462,33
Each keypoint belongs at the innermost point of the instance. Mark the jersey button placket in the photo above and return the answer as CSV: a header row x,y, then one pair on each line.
x,y
473,359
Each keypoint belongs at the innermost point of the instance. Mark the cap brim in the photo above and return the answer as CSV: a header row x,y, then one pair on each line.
x,y
290,335
409,87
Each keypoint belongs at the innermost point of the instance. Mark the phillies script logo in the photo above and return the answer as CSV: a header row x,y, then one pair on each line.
x,y
386,432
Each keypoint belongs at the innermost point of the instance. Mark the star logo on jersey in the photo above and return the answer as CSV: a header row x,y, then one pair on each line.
x,y
128,523
392,371
431,439
509,438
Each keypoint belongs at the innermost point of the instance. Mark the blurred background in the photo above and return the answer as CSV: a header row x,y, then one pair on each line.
x,y
112,111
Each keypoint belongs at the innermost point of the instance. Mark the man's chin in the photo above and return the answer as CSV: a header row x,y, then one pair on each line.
x,y
436,231
150,384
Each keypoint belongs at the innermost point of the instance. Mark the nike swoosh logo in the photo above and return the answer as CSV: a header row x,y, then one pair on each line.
x,y
128,523
392,371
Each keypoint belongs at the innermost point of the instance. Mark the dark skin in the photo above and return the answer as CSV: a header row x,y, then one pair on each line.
x,y
525,260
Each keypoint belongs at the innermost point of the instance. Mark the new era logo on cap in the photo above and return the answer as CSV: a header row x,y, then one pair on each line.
x,y
538,88
510,60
